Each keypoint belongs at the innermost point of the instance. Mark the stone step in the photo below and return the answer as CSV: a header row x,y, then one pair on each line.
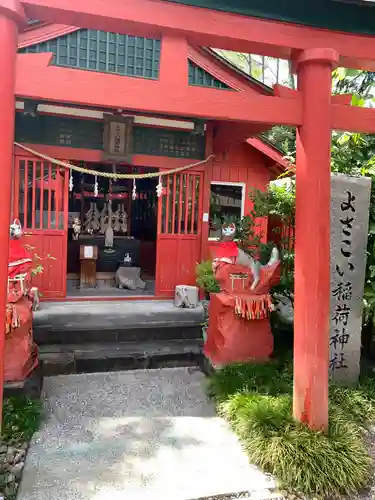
x,y
30,387
115,321
90,358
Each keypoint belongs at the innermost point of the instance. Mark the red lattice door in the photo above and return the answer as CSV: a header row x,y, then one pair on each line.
x,y
41,204
179,231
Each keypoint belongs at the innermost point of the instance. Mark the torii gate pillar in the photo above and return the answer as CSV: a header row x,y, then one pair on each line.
x,y
11,16
312,243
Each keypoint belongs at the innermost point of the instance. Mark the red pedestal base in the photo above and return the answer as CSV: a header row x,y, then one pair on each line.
x,y
21,354
231,339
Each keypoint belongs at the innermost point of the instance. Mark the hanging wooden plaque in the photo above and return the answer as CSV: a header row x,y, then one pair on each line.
x,y
118,138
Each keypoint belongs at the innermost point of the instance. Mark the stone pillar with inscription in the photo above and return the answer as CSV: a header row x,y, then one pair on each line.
x,y
350,200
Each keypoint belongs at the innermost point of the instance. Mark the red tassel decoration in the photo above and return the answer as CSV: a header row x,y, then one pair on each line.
x,y
257,307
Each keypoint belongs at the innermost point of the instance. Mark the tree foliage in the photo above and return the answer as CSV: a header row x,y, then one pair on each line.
x,y
283,138
278,201
351,154
359,83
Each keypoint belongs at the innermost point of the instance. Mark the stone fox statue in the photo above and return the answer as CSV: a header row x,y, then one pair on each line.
x,y
239,326
231,254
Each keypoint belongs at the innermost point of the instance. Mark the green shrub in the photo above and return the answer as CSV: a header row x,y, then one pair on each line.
x,y
205,277
355,404
21,418
257,401
273,378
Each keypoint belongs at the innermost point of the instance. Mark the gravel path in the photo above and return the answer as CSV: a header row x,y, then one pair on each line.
x,y
142,435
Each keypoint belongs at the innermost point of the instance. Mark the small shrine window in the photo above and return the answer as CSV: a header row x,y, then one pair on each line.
x,y
227,205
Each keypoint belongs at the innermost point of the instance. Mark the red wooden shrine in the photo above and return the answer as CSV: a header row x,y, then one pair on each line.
x,y
315,53
182,231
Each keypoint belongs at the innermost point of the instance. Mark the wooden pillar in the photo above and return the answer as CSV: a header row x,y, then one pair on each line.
x,y
11,15
174,62
312,244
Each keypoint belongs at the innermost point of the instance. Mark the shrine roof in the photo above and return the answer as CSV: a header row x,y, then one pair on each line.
x,y
271,151
351,16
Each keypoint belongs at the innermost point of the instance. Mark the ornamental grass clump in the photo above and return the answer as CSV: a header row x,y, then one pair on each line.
x,y
257,401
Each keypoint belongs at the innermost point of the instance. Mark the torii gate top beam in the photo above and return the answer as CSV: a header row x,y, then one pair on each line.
x,y
204,27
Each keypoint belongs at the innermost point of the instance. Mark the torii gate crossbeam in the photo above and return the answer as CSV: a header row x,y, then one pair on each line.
x,y
40,81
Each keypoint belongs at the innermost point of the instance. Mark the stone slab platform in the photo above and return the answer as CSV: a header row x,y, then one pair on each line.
x,y
115,314
139,435
63,359
114,321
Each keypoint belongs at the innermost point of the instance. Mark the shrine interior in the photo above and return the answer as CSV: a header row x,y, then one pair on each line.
x,y
112,227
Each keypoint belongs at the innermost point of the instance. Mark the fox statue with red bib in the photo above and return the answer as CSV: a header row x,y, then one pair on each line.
x,y
21,354
239,315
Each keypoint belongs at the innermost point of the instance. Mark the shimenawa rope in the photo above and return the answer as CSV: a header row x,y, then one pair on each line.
x,y
109,175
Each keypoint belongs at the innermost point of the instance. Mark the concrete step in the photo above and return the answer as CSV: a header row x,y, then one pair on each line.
x,y
90,358
115,321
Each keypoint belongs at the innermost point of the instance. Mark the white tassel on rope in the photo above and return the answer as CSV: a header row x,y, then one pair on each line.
x,y
96,190
71,185
134,191
159,188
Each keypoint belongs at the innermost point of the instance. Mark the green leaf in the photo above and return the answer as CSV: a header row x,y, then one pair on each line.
x,y
352,72
340,73
358,101
372,271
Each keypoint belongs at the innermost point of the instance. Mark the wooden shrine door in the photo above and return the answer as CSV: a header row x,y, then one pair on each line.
x,y
179,231
41,204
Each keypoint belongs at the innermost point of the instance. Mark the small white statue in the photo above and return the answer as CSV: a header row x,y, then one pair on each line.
x,y
16,229
109,237
77,228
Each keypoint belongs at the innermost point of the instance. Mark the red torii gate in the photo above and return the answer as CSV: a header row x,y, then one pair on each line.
x,y
312,109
